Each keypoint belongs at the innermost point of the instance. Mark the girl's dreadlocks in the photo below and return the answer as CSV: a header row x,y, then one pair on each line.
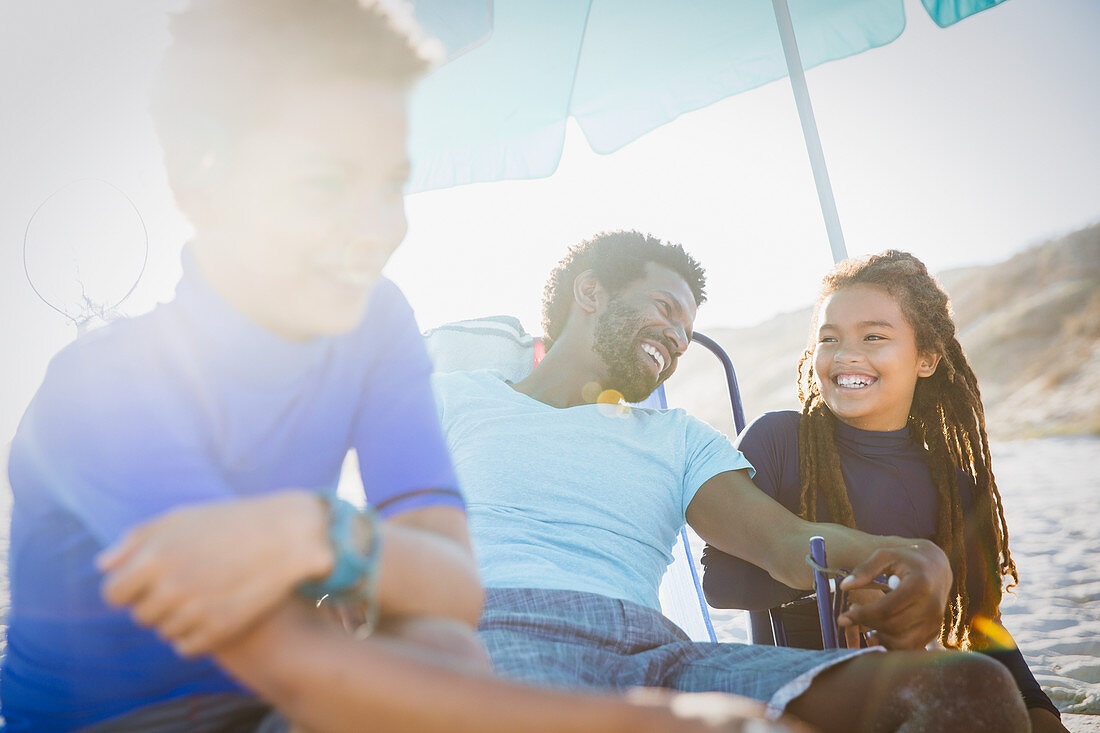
x,y
946,417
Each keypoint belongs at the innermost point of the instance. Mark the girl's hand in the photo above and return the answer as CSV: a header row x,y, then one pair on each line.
x,y
202,574
911,615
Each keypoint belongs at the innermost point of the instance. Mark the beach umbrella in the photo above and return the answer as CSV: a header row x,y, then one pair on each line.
x,y
622,68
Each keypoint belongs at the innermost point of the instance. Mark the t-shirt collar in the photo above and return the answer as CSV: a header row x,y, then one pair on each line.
x,y
873,441
236,344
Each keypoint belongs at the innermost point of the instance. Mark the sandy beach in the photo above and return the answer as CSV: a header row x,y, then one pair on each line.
x,y
1050,487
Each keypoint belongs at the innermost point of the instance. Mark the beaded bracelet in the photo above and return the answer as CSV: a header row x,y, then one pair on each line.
x,y
354,577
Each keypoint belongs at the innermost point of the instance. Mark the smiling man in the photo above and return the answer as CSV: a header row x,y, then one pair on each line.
x,y
574,507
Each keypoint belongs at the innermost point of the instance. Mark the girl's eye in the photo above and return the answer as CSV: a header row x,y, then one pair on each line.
x,y
873,337
826,340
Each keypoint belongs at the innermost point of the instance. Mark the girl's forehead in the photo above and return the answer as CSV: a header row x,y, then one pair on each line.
x,y
858,303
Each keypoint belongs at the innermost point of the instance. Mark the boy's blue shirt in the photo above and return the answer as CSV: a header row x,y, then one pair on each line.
x,y
192,402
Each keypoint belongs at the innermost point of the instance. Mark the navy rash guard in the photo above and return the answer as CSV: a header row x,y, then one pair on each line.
x,y
891,490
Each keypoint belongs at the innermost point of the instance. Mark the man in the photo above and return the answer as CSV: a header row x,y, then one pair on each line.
x,y
201,443
574,507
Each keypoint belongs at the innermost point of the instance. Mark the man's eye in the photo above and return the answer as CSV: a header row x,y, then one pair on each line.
x,y
665,308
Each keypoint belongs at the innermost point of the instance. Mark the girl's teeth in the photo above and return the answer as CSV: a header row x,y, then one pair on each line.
x,y
846,381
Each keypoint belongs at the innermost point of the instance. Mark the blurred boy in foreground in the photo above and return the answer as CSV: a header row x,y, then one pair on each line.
x,y
283,125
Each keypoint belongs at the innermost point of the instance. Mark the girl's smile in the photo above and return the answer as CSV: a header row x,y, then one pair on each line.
x,y
866,362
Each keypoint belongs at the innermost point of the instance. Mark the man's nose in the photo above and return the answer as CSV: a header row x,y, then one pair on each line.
x,y
676,333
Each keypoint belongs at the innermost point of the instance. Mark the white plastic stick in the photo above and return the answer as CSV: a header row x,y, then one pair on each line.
x,y
809,130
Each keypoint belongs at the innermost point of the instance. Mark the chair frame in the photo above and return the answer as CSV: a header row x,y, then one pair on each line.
x,y
765,627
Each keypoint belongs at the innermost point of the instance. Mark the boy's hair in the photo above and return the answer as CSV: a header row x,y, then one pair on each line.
x,y
617,259
229,58
946,417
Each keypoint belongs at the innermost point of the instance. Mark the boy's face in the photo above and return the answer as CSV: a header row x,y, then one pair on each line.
x,y
294,224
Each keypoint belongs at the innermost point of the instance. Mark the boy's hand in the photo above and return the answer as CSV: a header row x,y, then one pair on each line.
x,y
202,574
911,615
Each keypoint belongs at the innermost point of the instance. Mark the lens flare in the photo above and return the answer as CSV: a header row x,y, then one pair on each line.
x,y
611,403
590,392
998,637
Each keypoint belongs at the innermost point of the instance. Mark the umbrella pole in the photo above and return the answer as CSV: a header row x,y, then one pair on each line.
x,y
809,130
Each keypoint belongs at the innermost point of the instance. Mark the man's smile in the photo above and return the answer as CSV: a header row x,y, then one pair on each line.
x,y
656,355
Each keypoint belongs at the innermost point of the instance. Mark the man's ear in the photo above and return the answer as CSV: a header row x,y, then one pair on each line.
x,y
587,291
926,364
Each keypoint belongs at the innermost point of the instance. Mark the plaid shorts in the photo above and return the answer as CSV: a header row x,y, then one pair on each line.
x,y
587,641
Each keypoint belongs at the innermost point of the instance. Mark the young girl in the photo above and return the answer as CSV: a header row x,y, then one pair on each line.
x,y
891,440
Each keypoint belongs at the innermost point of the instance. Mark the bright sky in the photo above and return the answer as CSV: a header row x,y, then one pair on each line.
x,y
962,145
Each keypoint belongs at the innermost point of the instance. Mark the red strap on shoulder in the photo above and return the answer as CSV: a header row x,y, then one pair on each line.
x,y
540,350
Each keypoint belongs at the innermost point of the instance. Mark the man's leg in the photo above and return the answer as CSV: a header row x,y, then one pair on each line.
x,y
914,691
842,690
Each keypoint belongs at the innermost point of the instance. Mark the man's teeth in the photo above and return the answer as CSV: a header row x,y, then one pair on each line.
x,y
656,356
854,380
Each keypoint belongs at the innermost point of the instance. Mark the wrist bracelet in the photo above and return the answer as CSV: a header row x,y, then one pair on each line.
x,y
354,575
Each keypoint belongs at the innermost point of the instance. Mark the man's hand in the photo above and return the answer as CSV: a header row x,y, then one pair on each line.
x,y
201,575
911,615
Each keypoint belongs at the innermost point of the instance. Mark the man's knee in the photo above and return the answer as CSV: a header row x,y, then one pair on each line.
x,y
445,641
914,691
963,691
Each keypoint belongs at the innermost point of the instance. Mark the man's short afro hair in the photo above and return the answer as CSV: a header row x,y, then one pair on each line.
x,y
617,259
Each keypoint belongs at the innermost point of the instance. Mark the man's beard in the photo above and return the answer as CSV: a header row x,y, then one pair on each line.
x,y
618,344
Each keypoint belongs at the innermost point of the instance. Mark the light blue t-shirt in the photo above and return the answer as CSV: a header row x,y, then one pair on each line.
x,y
587,498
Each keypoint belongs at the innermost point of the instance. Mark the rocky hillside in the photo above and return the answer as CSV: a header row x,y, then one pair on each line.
x,y
1030,327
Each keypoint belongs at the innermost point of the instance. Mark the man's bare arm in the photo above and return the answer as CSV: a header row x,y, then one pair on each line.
x,y
733,515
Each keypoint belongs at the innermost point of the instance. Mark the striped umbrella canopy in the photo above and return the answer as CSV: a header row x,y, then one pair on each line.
x,y
497,110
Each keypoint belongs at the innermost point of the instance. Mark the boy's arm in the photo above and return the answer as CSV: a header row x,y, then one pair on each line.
x,y
730,513
320,679
204,573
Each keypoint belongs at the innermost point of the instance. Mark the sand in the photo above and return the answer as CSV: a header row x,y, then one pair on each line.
x,y
1050,488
